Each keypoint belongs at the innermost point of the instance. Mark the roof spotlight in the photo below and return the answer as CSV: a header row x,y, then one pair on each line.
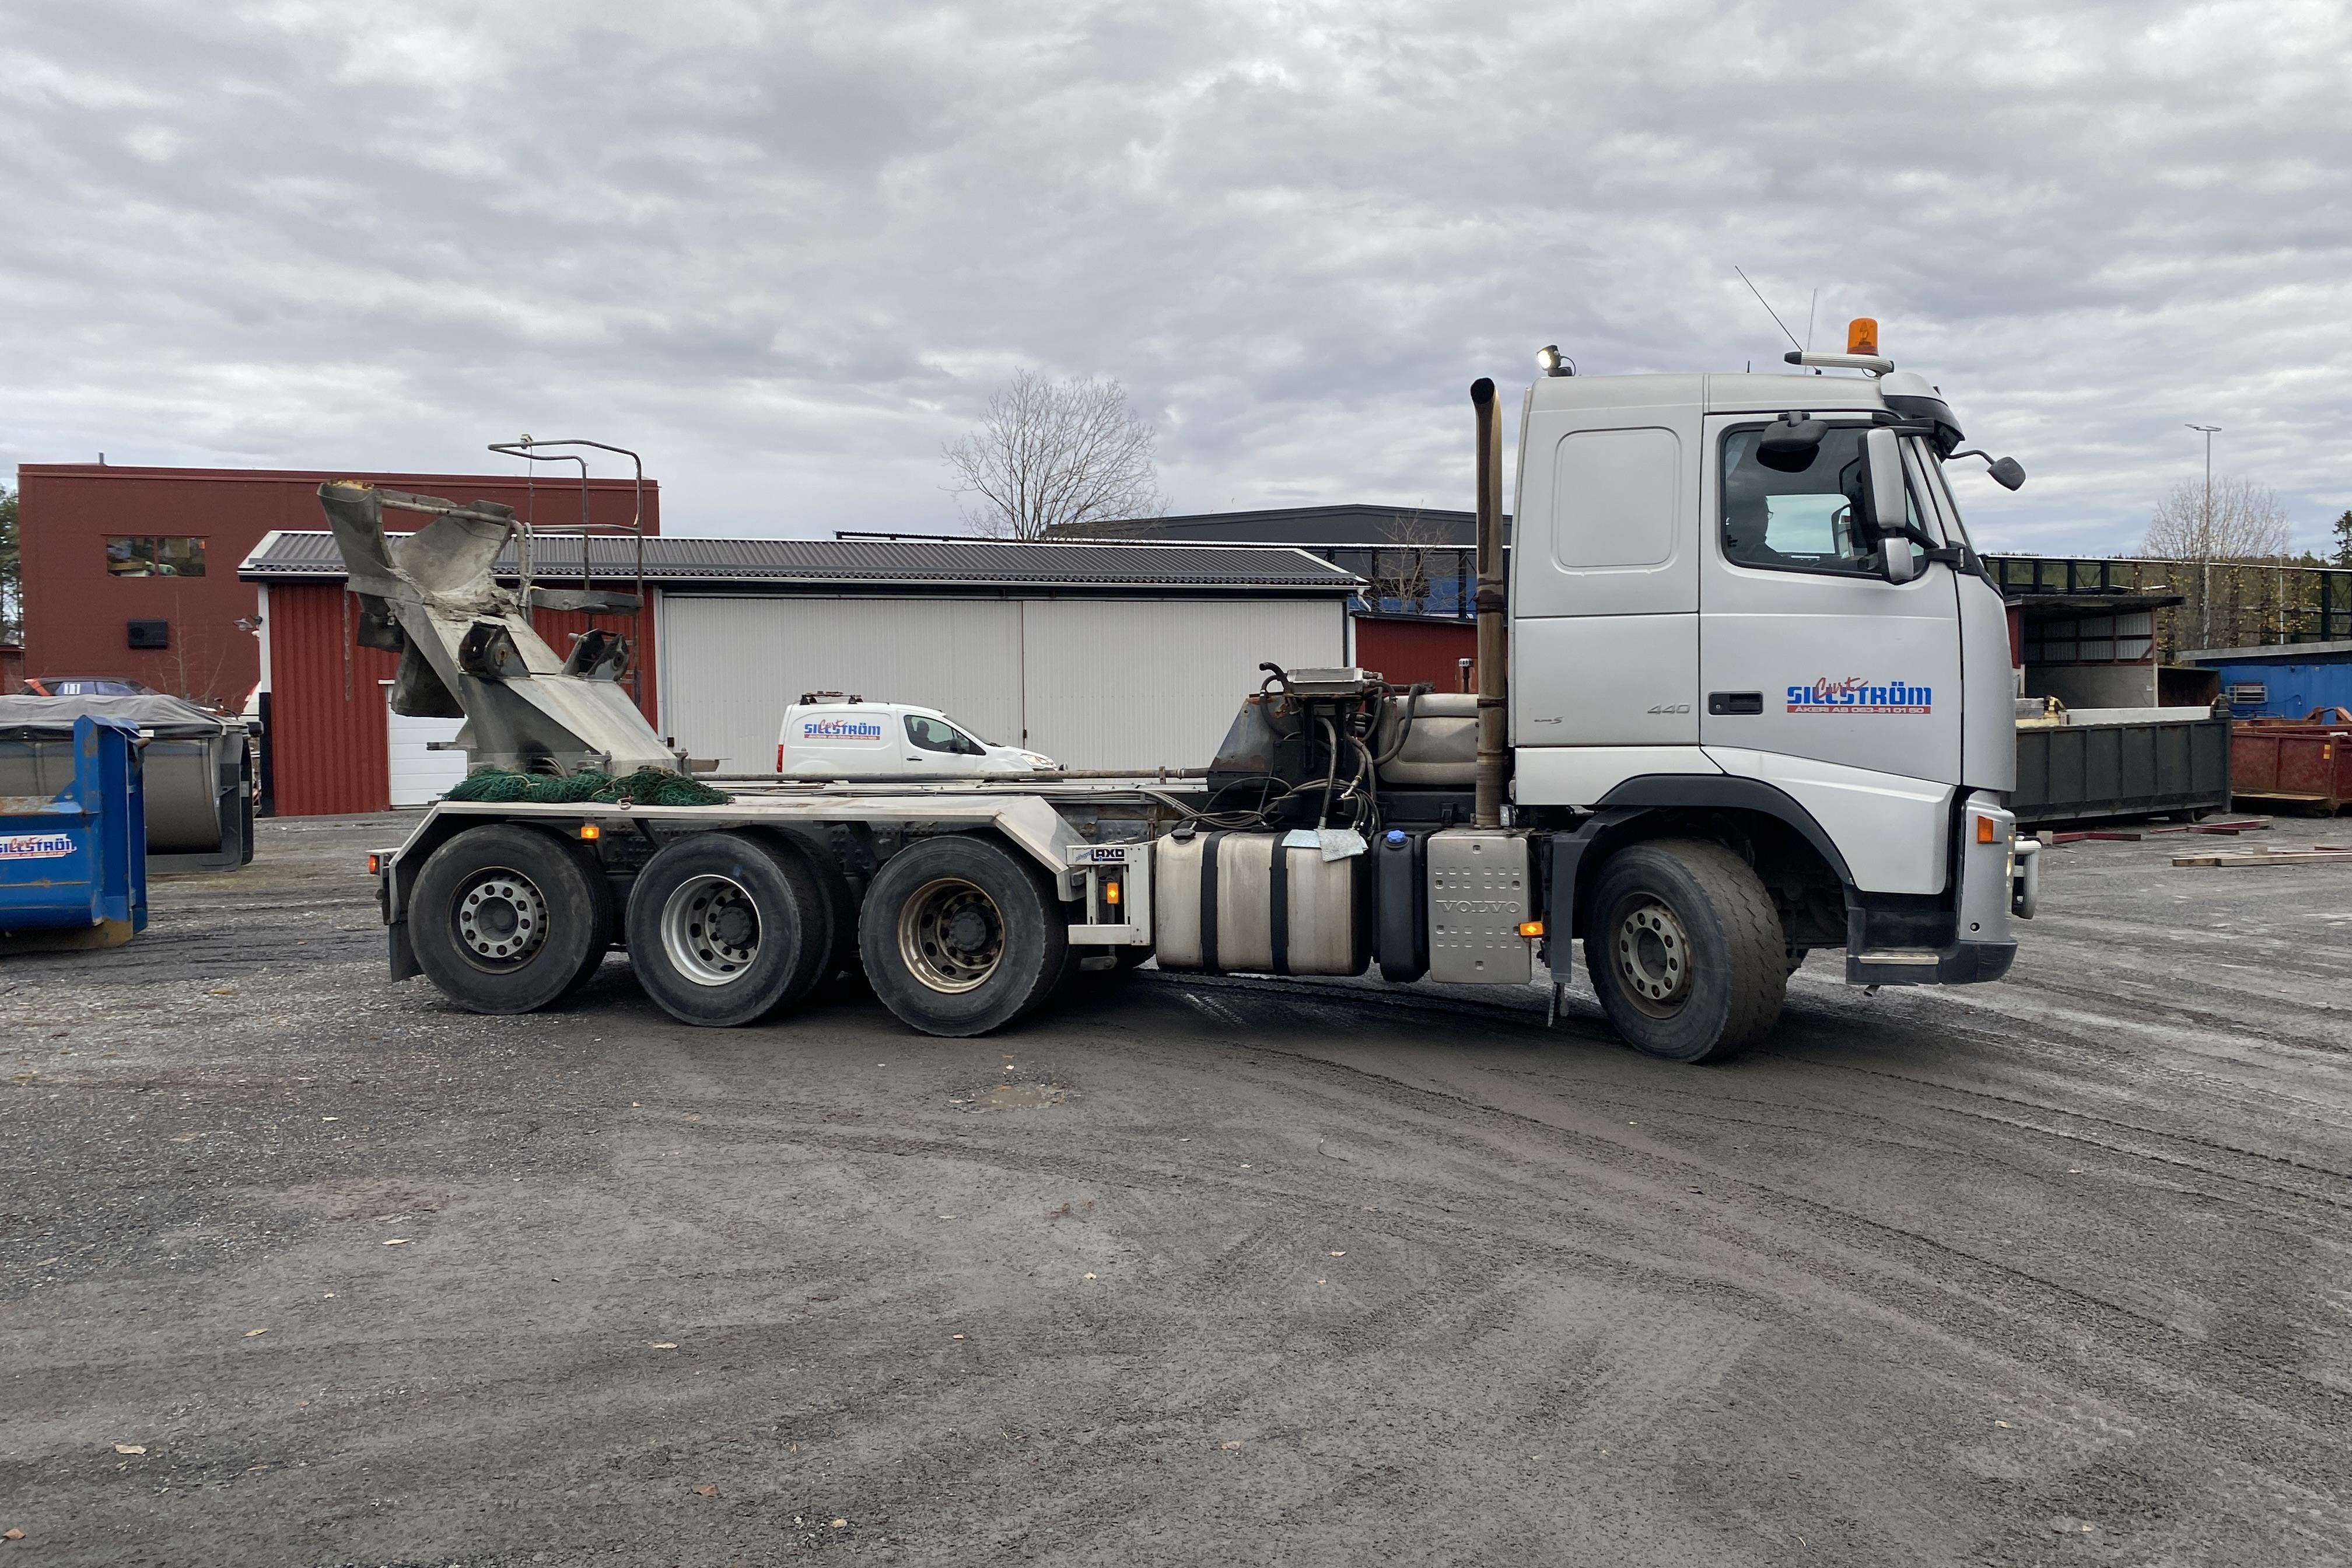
x,y
1551,361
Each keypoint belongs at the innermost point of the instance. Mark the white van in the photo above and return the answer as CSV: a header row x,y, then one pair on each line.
x,y
829,736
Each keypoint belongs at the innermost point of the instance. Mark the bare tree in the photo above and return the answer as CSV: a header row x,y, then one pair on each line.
x,y
1401,565
2243,522
1056,456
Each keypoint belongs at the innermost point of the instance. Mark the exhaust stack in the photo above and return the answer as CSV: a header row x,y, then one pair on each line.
x,y
1493,748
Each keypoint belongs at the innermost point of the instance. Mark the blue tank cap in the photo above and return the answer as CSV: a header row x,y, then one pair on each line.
x,y
1396,834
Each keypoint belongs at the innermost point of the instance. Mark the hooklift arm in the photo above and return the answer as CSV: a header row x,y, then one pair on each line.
x,y
466,647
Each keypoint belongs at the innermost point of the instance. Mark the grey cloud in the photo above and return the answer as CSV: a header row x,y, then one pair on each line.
x,y
788,250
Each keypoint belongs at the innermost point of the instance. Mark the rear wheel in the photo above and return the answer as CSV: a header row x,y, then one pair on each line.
x,y
508,919
1686,949
838,902
960,936
726,929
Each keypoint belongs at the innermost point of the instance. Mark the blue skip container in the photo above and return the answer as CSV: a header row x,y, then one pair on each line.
x,y
73,834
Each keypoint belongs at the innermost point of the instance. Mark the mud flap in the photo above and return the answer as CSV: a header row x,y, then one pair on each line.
x,y
404,955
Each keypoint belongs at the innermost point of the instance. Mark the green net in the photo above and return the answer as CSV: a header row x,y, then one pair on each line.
x,y
646,787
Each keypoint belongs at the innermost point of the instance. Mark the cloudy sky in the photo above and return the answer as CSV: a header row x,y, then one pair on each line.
x,y
787,250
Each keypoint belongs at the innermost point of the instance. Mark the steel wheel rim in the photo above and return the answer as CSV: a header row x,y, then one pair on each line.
x,y
710,928
1651,952
951,935
501,919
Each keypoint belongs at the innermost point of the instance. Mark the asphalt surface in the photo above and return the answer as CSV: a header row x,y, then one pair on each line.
x,y
298,1265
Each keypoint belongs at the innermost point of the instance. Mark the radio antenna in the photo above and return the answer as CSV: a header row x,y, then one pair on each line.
x,y
1809,312
1769,311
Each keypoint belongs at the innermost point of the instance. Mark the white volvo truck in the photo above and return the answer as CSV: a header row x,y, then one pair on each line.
x,y
1746,694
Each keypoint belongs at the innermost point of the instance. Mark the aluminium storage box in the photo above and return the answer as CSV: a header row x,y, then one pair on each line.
x,y
195,769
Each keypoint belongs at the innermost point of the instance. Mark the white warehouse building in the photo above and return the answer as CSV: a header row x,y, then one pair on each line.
x,y
1100,656
1112,655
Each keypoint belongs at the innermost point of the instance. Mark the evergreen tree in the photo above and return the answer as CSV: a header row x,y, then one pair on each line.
x,y
2343,540
12,572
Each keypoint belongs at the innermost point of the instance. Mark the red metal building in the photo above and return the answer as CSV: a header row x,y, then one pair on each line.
x,y
133,571
1407,648
328,748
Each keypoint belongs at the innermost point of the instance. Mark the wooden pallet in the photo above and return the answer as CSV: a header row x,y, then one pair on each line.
x,y
2317,855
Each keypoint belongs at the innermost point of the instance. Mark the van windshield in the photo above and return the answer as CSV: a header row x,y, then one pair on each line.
x,y
937,735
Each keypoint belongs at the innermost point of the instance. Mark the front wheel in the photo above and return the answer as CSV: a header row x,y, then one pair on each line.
x,y
1686,949
958,936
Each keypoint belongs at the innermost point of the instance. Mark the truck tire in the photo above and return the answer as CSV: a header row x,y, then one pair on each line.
x,y
837,903
607,930
1685,951
960,936
508,919
725,929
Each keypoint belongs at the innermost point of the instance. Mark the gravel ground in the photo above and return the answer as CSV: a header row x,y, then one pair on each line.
x,y
303,1267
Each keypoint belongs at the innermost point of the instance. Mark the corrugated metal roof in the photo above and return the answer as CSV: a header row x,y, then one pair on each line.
x,y
675,561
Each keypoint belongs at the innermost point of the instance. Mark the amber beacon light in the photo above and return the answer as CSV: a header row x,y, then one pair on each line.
x,y
1862,335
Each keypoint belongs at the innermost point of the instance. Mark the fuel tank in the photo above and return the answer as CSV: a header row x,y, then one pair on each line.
x,y
1243,901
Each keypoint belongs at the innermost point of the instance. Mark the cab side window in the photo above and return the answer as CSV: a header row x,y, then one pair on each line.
x,y
1808,520
931,735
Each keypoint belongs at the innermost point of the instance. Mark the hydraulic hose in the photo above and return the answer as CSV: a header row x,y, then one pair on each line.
x,y
1412,696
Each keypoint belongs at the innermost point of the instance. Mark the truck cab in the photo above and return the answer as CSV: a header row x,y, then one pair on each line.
x,y
830,735
1749,602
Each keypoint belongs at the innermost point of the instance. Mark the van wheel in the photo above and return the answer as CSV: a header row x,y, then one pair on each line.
x,y
960,937
1685,951
725,929
508,919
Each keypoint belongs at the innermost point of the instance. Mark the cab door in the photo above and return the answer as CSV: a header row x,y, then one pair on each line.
x,y
1605,575
1806,650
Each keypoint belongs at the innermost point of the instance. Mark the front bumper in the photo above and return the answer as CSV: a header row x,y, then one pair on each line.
x,y
1962,963
1997,875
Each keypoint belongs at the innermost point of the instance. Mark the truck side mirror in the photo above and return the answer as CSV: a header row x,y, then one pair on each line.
x,y
1882,488
2006,472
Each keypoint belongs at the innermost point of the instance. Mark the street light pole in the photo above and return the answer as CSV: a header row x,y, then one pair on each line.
x,y
2205,594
